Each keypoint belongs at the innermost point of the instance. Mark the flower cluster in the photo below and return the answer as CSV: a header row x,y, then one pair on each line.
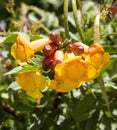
x,y
71,63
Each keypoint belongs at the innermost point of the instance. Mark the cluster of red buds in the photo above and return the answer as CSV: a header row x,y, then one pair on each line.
x,y
53,52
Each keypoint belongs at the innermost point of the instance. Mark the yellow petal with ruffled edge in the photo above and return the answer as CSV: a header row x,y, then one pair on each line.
x,y
21,50
20,53
35,94
72,69
60,72
69,74
91,72
96,60
31,82
76,70
63,85
106,58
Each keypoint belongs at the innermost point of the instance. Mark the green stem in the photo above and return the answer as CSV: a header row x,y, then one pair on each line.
x,y
96,29
78,27
66,18
0,71
89,87
101,83
45,29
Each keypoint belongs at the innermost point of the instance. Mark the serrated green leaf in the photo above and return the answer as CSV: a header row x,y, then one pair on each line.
x,y
15,70
37,61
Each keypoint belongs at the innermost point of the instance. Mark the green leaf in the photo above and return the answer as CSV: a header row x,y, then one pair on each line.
x,y
25,108
91,123
37,60
82,109
15,70
11,38
89,36
28,68
112,49
34,37
25,68
50,18
114,78
14,86
2,39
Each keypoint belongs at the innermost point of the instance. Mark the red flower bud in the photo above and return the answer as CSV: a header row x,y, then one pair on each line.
x,y
58,57
55,37
48,61
69,47
49,49
113,9
77,49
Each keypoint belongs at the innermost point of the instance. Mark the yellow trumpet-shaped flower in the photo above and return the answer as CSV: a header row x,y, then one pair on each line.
x,y
70,74
23,49
75,70
32,82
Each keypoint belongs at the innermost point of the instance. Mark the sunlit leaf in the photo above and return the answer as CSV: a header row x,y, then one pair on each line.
x,y
13,71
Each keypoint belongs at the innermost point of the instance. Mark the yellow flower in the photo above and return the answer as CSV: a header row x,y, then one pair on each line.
x,y
75,70
70,74
98,57
23,49
32,82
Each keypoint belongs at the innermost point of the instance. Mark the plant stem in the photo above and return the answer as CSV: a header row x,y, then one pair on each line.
x,y
101,83
96,29
78,27
66,19
81,10
45,29
108,34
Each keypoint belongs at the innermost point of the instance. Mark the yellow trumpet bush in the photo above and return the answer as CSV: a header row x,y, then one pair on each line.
x,y
32,82
70,69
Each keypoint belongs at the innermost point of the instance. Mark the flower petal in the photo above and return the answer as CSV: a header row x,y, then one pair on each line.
x,y
21,50
31,82
63,85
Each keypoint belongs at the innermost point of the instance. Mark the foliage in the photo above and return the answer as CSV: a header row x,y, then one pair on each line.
x,y
90,107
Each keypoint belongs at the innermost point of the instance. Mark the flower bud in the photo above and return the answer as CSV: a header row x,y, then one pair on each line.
x,y
77,49
58,57
55,37
49,49
48,61
69,47
113,9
